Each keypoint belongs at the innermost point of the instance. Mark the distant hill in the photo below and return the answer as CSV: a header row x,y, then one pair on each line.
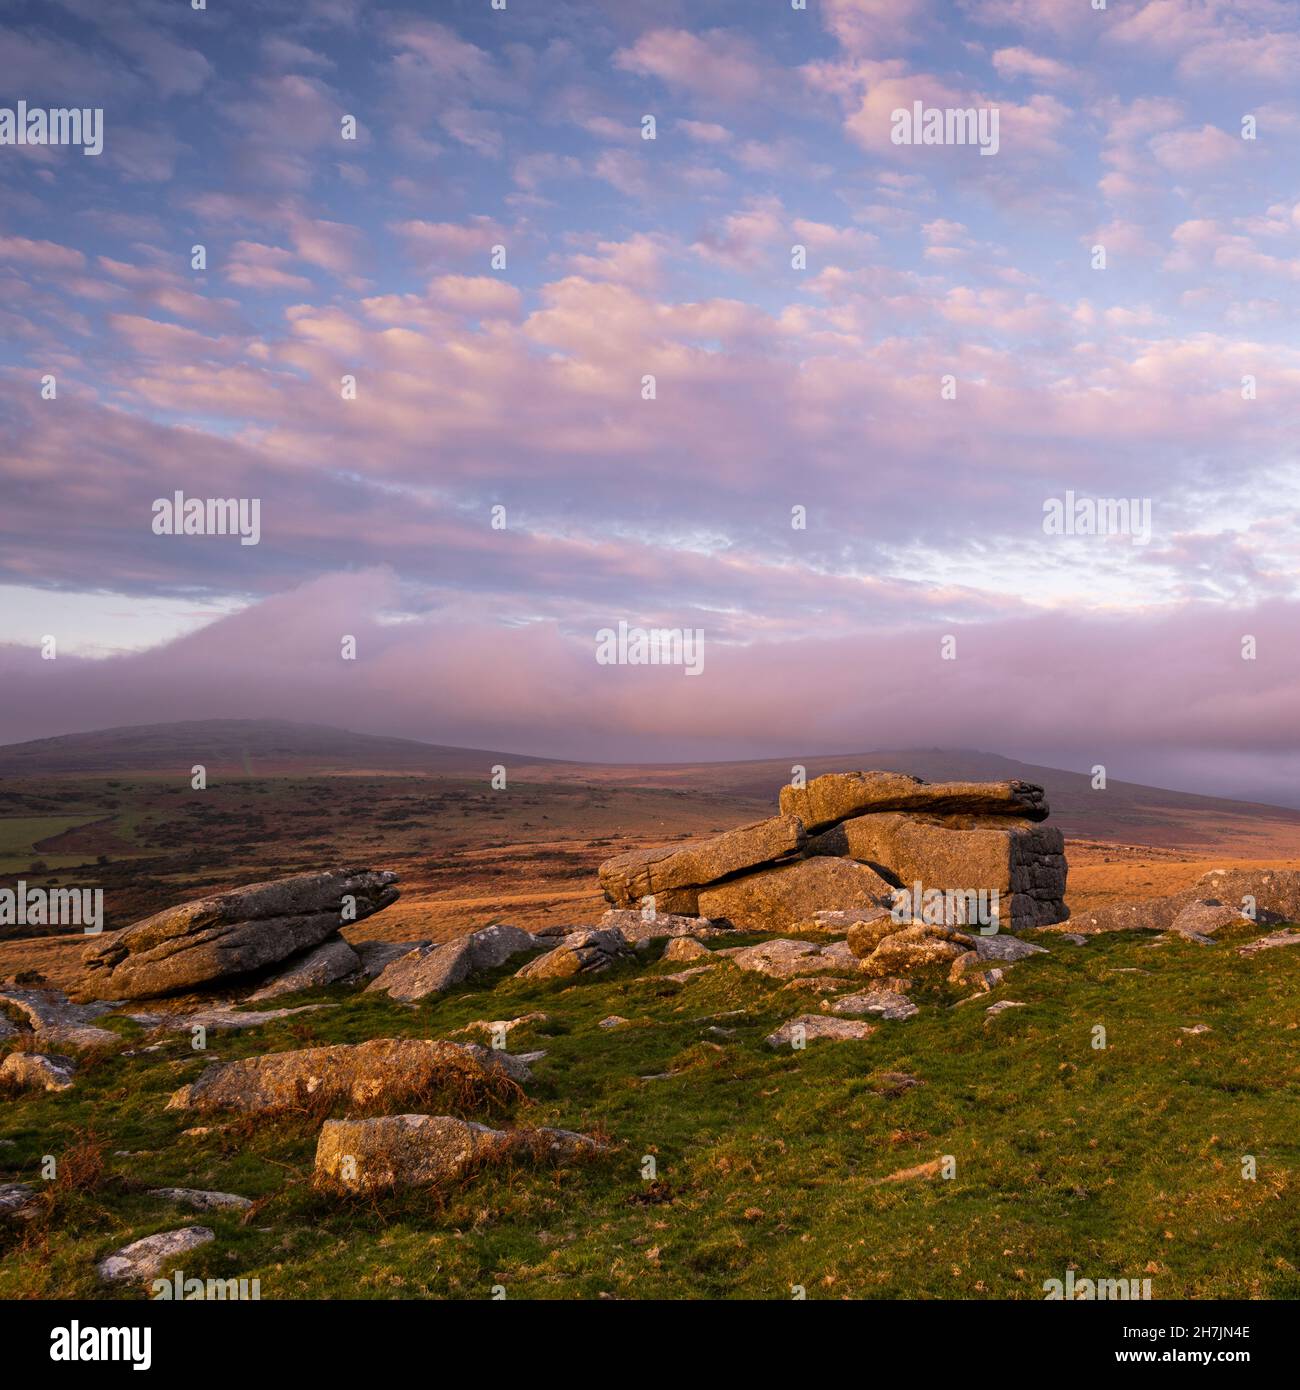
x,y
257,746
1125,812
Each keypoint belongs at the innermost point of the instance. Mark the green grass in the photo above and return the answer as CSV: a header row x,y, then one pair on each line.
x,y
19,836
1123,1162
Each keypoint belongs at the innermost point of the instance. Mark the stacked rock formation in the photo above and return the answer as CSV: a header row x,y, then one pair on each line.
x,y
237,934
847,842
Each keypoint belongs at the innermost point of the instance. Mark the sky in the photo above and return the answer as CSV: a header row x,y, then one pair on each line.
x,y
771,376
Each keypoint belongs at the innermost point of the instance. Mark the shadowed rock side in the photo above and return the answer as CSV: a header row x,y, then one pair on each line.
x,y
873,832
230,934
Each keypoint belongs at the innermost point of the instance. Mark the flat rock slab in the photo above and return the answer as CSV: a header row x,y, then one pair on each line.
x,y
628,878
50,1008
882,1003
421,1150
202,1200
230,935
1269,943
583,953
839,795
1009,949
221,1020
637,926
37,1071
430,970
775,899
782,959
807,1028
355,1073
17,1200
143,1260
333,960
1002,1006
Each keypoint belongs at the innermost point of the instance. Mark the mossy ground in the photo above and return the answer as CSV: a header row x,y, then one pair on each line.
x,y
1122,1161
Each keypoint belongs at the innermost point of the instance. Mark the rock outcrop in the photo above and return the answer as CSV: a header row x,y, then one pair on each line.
x,y
838,795
230,935
345,1073
422,1150
850,842
642,873
580,953
327,964
34,1071
775,899
1273,895
431,969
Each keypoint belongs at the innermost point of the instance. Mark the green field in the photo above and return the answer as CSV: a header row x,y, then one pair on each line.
x,y
1123,1162
19,836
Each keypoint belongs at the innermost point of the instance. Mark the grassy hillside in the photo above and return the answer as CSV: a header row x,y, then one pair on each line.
x,y
1123,1162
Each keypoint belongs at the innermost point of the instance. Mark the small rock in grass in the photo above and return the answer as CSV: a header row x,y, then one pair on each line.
x,y
808,1027
1267,943
201,1200
685,948
882,1003
613,1021
143,1259
416,1150
36,1071
1003,1004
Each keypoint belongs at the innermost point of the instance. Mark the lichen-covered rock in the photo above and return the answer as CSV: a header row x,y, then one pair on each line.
x,y
627,878
1022,862
333,960
638,926
432,969
202,1200
144,1259
867,933
916,948
882,1003
55,1020
1008,949
686,948
1203,918
419,1150
775,899
582,953
230,935
1272,894
351,1073
781,959
17,1200
36,1071
1270,942
839,795
806,1028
